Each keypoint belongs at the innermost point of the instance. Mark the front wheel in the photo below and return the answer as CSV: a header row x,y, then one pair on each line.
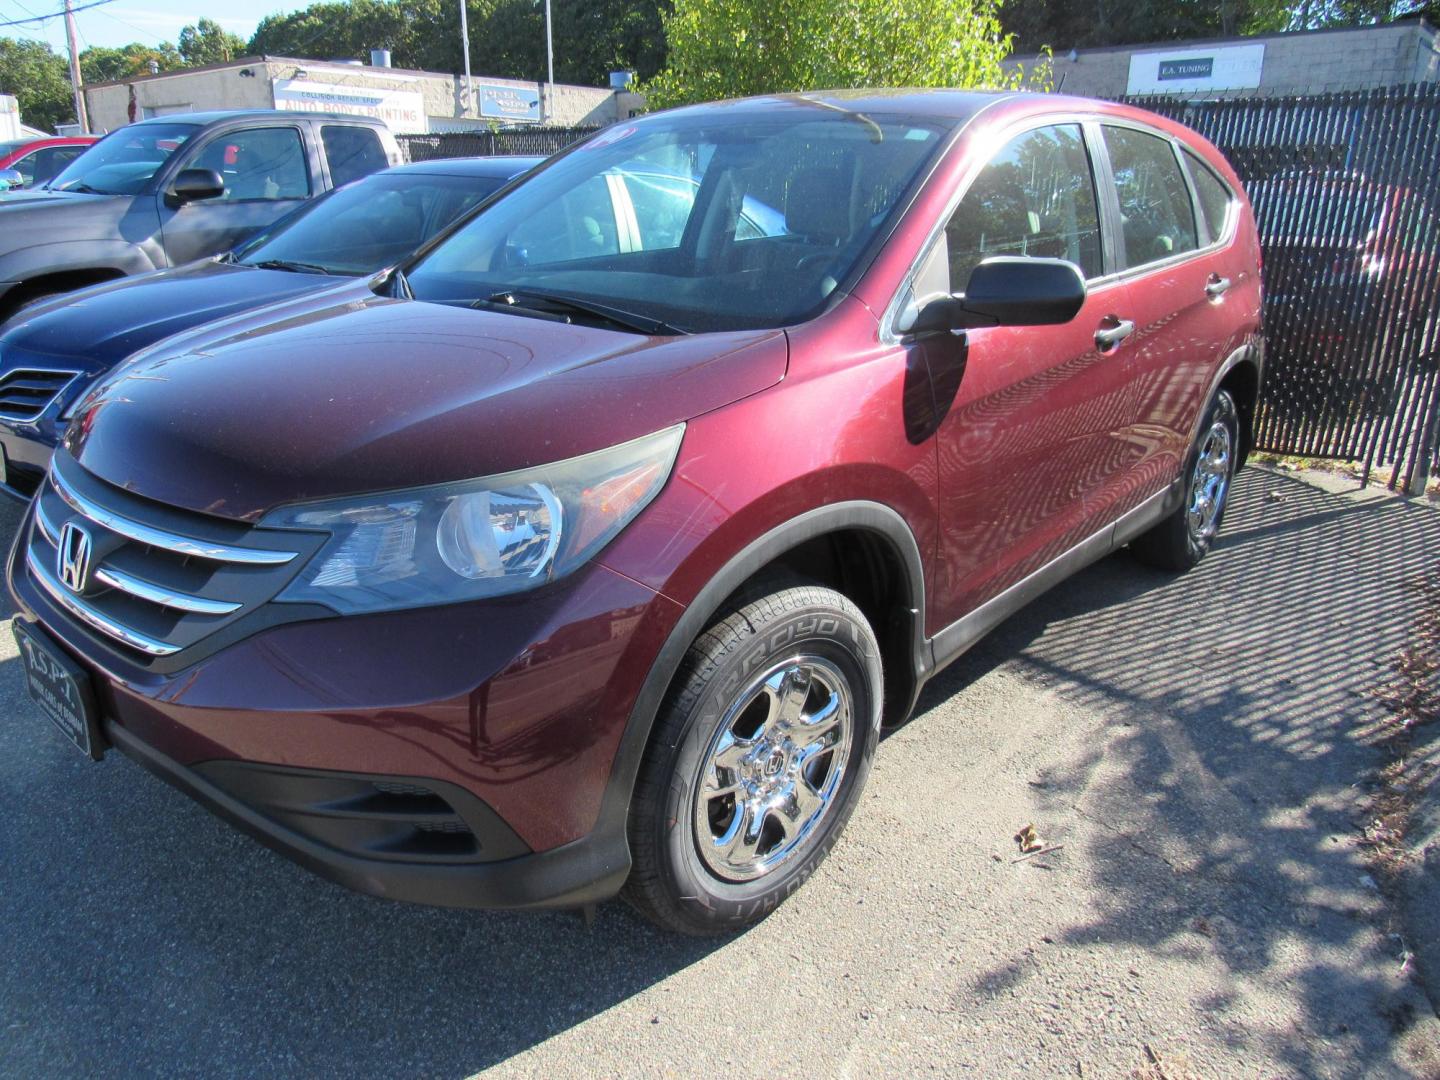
x,y
756,762
1184,538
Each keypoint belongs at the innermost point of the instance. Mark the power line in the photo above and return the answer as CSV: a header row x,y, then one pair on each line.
x,y
55,14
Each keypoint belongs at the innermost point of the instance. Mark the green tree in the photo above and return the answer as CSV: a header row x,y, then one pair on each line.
x,y
507,37
39,79
731,48
1077,24
101,63
207,42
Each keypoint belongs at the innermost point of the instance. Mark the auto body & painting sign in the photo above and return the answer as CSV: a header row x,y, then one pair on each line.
x,y
402,110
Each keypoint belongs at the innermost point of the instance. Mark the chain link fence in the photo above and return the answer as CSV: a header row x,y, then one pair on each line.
x,y
1345,188
545,140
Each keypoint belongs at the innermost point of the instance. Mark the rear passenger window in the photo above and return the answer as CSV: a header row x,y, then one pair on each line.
x,y
1035,198
353,152
1214,195
1156,214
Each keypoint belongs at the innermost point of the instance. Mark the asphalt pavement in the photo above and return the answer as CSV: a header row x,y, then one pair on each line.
x,y
1198,749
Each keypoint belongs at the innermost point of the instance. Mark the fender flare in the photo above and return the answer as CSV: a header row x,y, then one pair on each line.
x,y
867,516
1251,352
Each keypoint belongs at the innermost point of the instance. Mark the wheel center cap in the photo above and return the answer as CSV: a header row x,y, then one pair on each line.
x,y
774,763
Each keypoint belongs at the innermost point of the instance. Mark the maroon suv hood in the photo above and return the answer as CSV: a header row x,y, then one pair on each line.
x,y
376,393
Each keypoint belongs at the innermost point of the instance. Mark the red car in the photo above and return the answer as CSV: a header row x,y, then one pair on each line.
x,y
39,161
589,550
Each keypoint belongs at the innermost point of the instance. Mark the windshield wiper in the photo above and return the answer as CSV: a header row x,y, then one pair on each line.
x,y
83,189
293,267
555,304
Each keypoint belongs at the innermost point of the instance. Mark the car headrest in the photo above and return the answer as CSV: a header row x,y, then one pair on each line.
x,y
818,203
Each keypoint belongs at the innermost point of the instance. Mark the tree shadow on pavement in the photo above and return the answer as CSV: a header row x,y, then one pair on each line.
x,y
1214,815
145,937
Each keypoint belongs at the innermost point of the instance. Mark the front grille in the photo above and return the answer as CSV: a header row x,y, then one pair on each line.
x,y
25,393
154,580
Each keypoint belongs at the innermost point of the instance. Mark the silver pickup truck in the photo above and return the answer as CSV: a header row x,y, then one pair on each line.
x,y
172,189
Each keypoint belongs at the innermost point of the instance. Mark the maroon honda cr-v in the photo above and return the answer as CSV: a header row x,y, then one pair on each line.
x,y
587,552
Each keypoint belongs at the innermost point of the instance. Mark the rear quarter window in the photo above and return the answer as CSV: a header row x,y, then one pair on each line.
x,y
353,152
1215,197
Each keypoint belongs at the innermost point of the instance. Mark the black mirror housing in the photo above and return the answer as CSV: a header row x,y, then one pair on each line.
x,y
1007,290
196,185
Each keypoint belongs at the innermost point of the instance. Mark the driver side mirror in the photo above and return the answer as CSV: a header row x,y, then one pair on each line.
x,y
1006,290
196,185
11,180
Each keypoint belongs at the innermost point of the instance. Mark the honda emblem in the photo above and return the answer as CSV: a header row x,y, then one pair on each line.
x,y
73,557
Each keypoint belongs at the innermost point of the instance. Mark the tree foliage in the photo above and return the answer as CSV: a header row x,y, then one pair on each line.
x,y
101,63
1068,24
40,79
507,37
731,48
207,42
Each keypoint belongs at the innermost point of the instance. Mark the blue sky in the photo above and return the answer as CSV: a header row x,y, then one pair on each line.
x,y
123,21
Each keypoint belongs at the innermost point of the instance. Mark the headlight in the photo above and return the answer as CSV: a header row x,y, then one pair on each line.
x,y
477,538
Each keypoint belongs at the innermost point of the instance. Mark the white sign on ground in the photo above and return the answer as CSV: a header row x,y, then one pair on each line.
x,y
402,110
1219,67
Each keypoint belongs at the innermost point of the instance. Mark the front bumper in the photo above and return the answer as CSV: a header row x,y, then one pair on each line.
x,y
505,715
583,872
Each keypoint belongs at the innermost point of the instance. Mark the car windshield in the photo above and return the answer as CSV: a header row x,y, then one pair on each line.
x,y
124,161
368,225
694,220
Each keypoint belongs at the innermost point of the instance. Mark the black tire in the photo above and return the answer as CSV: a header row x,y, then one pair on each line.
x,y
812,637
1175,543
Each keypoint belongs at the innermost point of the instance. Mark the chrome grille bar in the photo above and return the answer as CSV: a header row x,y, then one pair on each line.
x,y
159,538
126,583
92,618
46,526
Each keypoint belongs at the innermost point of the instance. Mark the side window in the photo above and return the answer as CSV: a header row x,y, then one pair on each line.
x,y
1156,216
352,152
1036,198
1214,195
51,162
26,168
582,226
662,208
258,163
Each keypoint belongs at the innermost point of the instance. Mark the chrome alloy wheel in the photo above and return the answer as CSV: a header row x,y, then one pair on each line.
x,y
1210,484
773,769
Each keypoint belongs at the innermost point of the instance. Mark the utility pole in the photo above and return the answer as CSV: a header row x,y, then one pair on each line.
x,y
465,49
549,63
80,114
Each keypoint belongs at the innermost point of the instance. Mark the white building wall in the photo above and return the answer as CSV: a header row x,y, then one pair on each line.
x,y
9,118
444,100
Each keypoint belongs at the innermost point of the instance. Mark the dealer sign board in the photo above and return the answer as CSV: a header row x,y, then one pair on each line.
x,y
1220,67
509,102
402,110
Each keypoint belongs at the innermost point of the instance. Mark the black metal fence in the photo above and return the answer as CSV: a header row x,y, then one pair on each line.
x,y
1345,187
545,140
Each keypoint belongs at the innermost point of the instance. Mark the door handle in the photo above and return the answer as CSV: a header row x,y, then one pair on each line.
x,y
1217,286
1107,337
